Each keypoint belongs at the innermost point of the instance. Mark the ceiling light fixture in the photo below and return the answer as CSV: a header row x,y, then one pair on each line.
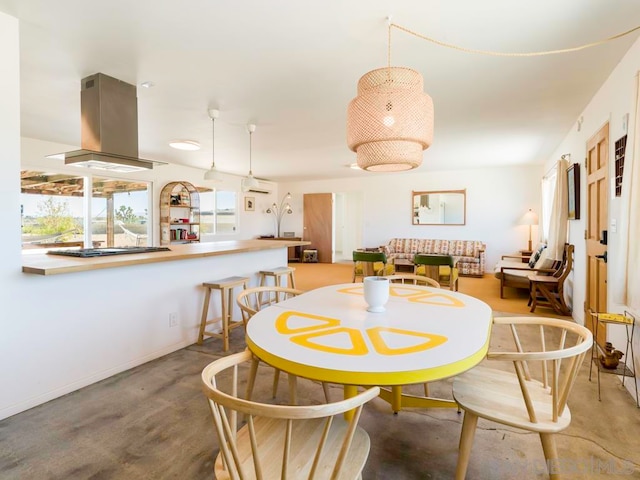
x,y
390,121
212,173
189,145
147,84
249,181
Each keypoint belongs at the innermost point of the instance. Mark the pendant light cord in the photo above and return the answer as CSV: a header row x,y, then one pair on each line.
x,y
213,143
250,142
503,54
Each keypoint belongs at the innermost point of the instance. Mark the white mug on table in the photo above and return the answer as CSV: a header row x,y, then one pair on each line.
x,y
376,293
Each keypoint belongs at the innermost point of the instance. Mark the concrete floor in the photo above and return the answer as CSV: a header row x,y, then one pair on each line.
x,y
153,422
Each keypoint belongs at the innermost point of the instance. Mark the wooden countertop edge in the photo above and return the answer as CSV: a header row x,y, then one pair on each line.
x,y
43,264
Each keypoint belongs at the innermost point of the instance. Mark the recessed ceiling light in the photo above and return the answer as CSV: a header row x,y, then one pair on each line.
x,y
147,84
355,166
185,145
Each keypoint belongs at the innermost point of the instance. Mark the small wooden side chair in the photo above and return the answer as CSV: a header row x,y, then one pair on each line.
x,y
266,441
546,356
548,290
412,279
252,301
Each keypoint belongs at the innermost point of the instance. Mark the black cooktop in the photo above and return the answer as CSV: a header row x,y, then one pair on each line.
x,y
101,252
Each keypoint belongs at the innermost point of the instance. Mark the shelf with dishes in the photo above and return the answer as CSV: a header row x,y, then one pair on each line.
x,y
179,213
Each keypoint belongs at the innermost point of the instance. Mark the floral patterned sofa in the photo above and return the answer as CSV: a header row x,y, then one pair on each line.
x,y
471,253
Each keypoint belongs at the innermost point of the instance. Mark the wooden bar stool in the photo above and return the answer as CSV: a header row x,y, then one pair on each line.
x,y
226,286
277,274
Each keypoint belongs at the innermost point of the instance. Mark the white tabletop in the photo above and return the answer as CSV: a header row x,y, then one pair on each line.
x,y
425,334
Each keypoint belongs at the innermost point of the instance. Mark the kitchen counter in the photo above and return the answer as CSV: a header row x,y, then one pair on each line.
x,y
43,264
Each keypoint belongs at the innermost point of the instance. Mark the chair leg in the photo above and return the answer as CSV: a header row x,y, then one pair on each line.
x,y
325,389
252,378
534,297
426,389
293,389
466,441
550,454
276,379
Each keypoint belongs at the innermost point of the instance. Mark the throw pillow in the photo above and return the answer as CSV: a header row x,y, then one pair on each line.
x,y
536,256
544,262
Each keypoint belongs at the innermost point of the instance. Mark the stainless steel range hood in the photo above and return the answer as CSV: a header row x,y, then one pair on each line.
x,y
109,136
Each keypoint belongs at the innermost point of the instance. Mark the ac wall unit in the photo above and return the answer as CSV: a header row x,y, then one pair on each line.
x,y
261,190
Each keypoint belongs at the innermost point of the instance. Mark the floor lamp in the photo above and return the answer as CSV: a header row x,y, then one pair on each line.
x,y
529,218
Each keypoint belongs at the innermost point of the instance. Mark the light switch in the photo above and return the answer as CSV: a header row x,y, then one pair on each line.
x,y
614,225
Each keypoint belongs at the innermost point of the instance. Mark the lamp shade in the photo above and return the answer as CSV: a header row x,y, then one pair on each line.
x,y
529,218
390,121
213,174
249,182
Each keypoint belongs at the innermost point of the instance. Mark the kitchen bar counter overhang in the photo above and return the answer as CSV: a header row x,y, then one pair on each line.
x,y
43,264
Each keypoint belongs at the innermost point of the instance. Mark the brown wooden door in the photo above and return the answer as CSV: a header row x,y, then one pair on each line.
x,y
597,166
318,224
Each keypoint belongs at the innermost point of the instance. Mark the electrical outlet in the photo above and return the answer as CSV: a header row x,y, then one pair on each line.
x,y
173,319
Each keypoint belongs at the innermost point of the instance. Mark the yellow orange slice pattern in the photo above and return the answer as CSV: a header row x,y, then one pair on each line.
x,y
413,295
326,335
416,343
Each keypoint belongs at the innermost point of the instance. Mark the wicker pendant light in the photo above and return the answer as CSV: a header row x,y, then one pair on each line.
x,y
390,122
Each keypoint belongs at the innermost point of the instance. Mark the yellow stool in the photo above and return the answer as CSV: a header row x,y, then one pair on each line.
x,y
226,286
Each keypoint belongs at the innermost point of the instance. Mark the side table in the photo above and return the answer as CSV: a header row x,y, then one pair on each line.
x,y
626,368
526,255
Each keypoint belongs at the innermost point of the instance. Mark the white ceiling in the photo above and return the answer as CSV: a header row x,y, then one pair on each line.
x,y
291,67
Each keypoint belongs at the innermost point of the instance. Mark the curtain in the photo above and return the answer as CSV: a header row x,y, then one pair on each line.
x,y
632,172
548,193
559,215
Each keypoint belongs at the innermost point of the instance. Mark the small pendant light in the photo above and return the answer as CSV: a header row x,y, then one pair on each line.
x,y
249,181
213,174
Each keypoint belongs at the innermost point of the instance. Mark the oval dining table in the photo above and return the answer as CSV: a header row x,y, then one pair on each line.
x,y
425,334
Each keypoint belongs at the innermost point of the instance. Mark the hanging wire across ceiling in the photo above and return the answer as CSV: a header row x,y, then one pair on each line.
x,y
507,54
390,121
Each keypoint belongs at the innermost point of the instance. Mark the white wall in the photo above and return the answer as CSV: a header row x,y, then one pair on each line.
x,y
496,199
71,330
615,99
63,332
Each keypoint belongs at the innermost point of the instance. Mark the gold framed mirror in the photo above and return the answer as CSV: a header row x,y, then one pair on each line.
x,y
439,207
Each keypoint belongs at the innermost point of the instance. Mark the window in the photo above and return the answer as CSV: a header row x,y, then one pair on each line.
x,y
119,213
52,209
56,214
218,212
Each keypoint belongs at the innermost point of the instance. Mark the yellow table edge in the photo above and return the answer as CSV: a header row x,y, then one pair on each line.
x,y
365,378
